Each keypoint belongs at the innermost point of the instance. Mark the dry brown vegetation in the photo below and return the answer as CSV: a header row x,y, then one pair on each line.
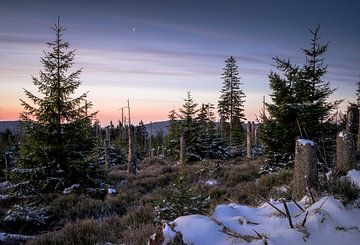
x,y
128,216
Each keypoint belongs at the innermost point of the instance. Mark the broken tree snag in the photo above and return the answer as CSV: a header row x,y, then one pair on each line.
x,y
182,149
256,136
248,141
305,170
7,163
352,118
107,135
253,133
106,153
131,153
345,152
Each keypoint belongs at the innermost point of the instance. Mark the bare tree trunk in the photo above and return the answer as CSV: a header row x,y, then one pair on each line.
x,y
182,149
107,155
150,141
107,131
7,161
131,158
253,133
248,141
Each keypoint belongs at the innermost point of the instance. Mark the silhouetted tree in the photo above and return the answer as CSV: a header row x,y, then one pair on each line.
x,y
300,106
231,101
59,135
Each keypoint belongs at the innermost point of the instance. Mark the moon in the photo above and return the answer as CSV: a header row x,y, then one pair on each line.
x,y
133,29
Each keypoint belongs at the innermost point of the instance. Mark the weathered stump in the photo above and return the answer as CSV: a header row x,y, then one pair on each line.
x,y
345,152
305,169
248,141
182,149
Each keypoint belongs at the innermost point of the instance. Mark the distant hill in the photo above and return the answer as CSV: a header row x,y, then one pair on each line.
x,y
157,126
15,127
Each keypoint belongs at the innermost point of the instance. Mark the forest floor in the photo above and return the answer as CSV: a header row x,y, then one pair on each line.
x,y
128,216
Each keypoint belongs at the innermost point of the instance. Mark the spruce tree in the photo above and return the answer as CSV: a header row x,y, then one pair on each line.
x,y
58,137
358,93
173,136
190,128
231,101
300,106
211,144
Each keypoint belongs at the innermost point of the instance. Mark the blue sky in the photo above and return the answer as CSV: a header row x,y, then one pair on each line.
x,y
152,52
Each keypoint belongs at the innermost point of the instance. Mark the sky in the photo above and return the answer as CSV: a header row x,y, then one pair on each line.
x,y
153,51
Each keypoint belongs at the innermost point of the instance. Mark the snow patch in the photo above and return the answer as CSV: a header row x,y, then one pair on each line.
x,y
111,190
70,189
306,142
327,222
354,175
211,182
4,184
4,197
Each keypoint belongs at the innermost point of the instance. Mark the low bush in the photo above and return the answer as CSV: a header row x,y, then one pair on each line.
x,y
344,189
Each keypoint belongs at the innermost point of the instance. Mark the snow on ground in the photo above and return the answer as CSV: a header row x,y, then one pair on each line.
x,y
4,237
4,197
354,175
327,221
305,142
211,182
4,185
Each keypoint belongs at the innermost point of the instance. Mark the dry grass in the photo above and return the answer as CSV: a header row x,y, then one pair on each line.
x,y
127,217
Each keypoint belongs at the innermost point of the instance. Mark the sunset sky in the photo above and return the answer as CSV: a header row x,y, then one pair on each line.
x,y
152,52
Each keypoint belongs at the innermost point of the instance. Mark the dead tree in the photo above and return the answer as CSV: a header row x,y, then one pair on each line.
x,y
131,154
248,141
107,153
182,149
253,133
150,141
7,163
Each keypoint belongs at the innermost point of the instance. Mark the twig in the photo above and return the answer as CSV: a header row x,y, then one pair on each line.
x,y
298,124
260,236
272,205
304,221
311,194
323,203
288,214
297,204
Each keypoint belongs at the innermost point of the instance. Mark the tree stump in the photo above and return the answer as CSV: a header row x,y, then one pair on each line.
x,y
345,152
248,141
305,170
